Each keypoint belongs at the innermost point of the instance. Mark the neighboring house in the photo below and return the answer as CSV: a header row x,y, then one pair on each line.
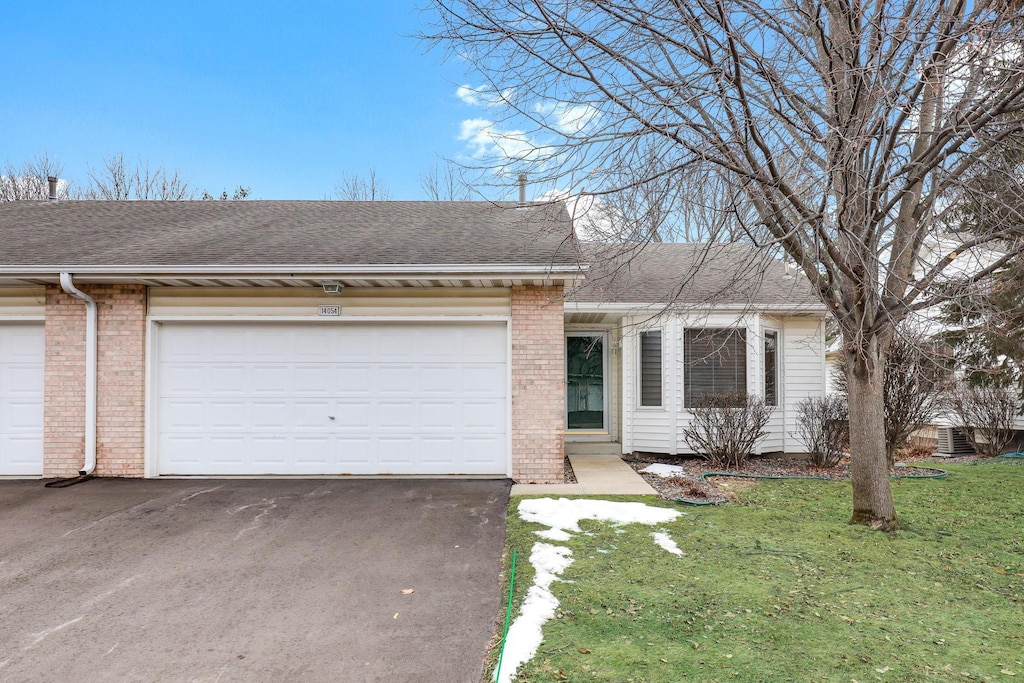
x,y
364,338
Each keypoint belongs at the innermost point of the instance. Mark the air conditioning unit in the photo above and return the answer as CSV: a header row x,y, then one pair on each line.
x,y
952,443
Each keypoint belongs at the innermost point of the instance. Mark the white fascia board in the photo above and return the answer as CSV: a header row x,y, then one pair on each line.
x,y
572,274
627,308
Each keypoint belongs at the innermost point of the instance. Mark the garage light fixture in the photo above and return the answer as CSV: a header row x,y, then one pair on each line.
x,y
332,286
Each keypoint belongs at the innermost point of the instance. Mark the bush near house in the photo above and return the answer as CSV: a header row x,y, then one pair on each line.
x,y
824,425
726,427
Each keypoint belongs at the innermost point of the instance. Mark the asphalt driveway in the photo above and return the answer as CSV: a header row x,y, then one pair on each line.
x,y
271,580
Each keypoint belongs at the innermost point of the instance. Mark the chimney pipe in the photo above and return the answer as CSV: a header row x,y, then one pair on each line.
x,y
52,180
522,189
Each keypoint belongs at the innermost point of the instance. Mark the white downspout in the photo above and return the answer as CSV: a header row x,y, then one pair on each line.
x,y
68,285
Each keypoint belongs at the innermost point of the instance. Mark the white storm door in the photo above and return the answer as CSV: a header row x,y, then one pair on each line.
x,y
21,399
352,398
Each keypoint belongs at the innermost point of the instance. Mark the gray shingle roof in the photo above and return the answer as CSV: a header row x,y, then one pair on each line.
x,y
666,273
244,233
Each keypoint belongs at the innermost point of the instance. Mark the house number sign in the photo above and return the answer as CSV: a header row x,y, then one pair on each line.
x,y
330,311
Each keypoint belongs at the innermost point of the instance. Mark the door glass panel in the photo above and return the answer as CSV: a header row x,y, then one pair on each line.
x,y
584,386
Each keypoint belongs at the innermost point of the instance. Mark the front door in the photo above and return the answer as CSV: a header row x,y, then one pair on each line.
x,y
584,381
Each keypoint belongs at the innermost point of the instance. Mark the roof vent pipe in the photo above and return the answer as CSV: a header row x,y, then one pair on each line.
x,y
522,189
52,180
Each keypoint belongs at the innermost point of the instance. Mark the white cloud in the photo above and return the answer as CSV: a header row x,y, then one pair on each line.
x,y
482,96
486,140
569,119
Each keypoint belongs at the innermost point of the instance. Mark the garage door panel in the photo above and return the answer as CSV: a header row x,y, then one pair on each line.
x,y
403,398
396,452
269,414
313,450
440,415
478,346
440,451
353,380
182,379
484,380
354,454
268,379
21,398
396,416
313,415
233,379
354,416
482,415
313,379
225,415
267,451
21,454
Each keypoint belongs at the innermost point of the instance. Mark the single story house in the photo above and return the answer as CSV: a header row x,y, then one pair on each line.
x,y
256,338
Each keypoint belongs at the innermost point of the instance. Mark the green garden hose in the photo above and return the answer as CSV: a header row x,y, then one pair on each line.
x,y
508,615
935,473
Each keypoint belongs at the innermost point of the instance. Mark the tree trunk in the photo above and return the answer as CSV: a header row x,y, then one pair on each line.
x,y
869,467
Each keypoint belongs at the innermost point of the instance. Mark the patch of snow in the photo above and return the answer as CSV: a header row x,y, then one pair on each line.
x,y
563,515
663,470
663,540
525,634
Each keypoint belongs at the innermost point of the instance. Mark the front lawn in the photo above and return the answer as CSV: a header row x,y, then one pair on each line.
x,y
777,587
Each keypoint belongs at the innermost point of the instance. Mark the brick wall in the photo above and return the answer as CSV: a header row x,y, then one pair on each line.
x,y
538,384
121,355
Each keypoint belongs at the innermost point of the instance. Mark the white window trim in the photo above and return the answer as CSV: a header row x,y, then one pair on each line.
x,y
778,366
639,370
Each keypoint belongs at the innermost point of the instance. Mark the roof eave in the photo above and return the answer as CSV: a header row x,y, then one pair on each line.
x,y
628,308
478,275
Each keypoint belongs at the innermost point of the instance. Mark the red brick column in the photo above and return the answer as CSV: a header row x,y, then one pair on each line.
x,y
121,377
538,384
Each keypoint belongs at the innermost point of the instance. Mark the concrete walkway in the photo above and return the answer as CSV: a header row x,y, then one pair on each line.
x,y
596,473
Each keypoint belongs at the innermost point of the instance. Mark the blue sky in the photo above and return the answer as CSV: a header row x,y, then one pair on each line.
x,y
281,97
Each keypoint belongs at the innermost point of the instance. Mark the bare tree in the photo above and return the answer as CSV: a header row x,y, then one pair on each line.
x,y
239,194
843,128
446,183
119,179
917,373
985,415
29,180
354,188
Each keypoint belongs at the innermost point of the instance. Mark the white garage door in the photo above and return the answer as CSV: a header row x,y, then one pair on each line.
x,y
350,398
21,399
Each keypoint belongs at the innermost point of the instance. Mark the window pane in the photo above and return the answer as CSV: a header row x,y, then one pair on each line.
x,y
771,368
650,368
714,362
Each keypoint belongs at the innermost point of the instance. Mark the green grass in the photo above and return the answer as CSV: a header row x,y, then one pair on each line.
x,y
777,587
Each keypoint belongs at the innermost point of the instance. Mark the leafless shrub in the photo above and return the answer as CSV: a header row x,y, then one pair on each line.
x,y
916,374
824,424
726,427
985,415
915,451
